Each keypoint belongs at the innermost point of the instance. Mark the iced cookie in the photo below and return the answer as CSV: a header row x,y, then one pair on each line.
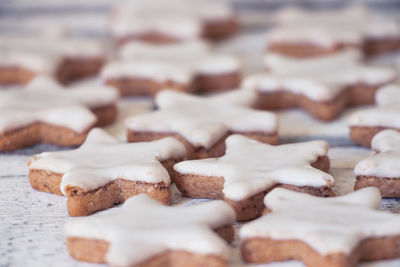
x,y
335,232
146,77
323,87
46,112
143,232
104,172
205,70
381,170
364,124
304,41
172,21
376,34
203,123
65,59
250,169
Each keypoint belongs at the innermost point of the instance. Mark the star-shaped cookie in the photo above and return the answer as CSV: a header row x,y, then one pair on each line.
x,y
204,69
364,124
66,59
381,170
337,231
104,172
203,123
172,21
323,87
46,112
372,32
146,233
250,169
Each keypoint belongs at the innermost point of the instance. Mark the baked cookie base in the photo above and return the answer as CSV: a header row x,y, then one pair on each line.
x,y
362,135
105,115
138,86
266,250
52,134
40,133
82,203
355,95
305,50
285,100
220,29
388,187
148,37
197,186
94,250
217,150
75,68
15,75
215,83
374,47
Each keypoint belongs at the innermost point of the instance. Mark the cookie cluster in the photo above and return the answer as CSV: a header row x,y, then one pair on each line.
x,y
211,135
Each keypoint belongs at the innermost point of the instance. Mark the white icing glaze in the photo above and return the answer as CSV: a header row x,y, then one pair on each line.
x,y
181,19
382,27
181,28
153,70
194,56
217,64
152,228
203,121
54,45
43,100
328,225
102,159
376,117
386,162
388,95
353,14
250,167
341,68
385,114
80,48
386,141
211,10
30,61
175,52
